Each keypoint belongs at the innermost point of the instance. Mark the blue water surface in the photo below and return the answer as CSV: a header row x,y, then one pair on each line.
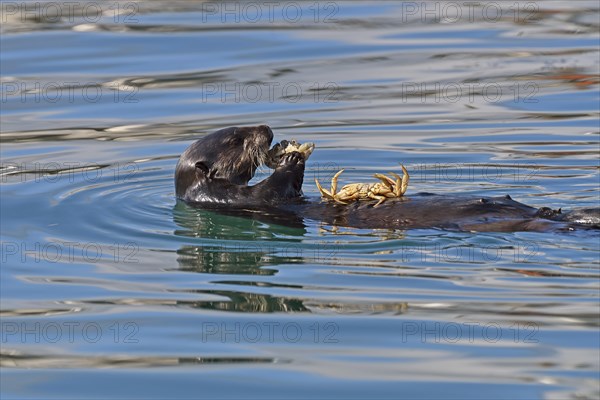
x,y
110,288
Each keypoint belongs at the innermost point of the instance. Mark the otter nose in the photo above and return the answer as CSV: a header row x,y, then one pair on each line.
x,y
265,130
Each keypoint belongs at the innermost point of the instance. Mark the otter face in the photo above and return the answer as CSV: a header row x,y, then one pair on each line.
x,y
230,154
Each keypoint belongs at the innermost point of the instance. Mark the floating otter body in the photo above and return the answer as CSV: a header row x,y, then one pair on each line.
x,y
215,170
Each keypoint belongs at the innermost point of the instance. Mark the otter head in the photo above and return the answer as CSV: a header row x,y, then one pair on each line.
x,y
230,154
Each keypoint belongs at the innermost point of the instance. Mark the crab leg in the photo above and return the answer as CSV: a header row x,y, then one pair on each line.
x,y
380,198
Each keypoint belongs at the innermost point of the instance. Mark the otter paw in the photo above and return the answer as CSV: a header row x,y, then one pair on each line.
x,y
290,159
275,155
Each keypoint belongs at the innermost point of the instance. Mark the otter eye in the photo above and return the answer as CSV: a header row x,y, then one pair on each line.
x,y
201,167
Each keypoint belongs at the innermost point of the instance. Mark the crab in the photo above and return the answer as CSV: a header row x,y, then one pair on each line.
x,y
280,149
381,191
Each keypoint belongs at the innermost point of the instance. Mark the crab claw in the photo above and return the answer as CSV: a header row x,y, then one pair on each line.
x,y
334,182
332,194
401,183
324,192
386,180
405,180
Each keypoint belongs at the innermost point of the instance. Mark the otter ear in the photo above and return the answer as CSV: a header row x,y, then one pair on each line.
x,y
201,169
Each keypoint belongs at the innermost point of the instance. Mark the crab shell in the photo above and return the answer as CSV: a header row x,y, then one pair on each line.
x,y
359,191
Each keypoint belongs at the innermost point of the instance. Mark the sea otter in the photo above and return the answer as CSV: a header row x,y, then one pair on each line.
x,y
215,170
